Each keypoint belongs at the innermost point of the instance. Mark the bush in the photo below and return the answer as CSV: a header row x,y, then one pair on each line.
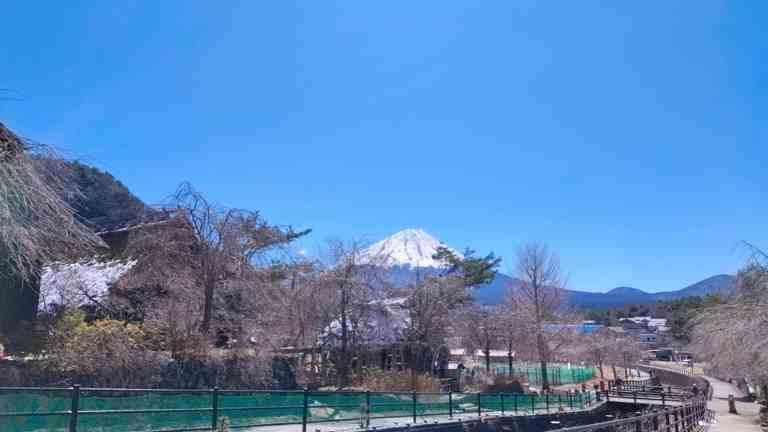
x,y
106,353
395,381
503,384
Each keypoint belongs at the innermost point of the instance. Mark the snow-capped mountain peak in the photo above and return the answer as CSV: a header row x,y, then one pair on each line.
x,y
410,247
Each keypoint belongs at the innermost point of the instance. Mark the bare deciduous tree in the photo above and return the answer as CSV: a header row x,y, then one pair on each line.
x,y
482,328
209,249
350,282
36,223
606,347
435,303
538,300
732,336
229,241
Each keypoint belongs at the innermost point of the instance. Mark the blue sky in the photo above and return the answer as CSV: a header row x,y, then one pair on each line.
x,y
629,136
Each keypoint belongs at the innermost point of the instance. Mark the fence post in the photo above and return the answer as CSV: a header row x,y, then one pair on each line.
x,y
479,406
677,422
634,397
501,395
367,408
533,403
570,400
663,400
414,408
305,412
514,402
450,404
74,408
215,410
547,401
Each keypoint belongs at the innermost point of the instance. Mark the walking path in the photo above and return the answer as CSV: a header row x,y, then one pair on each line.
x,y
381,424
747,418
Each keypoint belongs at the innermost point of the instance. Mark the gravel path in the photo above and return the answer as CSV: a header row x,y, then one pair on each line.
x,y
747,418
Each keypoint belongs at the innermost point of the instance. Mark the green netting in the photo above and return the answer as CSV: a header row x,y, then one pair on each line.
x,y
244,408
556,374
258,408
36,402
391,405
90,401
432,404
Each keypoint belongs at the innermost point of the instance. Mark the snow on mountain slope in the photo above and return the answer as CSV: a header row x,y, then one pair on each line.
x,y
409,247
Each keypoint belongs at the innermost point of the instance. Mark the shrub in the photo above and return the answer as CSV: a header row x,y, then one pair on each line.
x,y
394,381
503,384
106,353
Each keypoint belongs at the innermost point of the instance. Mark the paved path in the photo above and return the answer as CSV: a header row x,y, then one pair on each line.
x,y
383,424
747,418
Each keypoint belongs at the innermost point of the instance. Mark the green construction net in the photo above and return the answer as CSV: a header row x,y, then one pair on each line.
x,y
556,374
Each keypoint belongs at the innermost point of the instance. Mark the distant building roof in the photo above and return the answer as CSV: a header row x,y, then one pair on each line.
x,y
494,353
573,328
637,319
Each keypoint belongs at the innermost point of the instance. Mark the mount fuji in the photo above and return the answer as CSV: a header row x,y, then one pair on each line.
x,y
411,247
409,252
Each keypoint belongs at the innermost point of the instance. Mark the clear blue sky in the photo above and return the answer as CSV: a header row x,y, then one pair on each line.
x,y
629,136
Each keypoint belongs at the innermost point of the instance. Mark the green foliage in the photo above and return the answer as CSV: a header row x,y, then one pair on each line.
x,y
472,269
105,352
612,316
680,313
99,200
105,203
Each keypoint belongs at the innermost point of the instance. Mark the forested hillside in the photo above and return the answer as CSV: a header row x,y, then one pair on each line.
x,y
103,202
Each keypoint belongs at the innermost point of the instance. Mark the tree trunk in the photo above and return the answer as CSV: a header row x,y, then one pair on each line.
x,y
205,326
19,300
343,366
542,348
544,376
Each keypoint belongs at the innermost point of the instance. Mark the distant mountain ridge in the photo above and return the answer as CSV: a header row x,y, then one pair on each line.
x,y
411,250
722,283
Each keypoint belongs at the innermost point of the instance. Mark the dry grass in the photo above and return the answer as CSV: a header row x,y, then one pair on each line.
x,y
391,381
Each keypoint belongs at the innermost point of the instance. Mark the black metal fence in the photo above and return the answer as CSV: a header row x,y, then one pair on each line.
x,y
647,390
118,410
692,416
